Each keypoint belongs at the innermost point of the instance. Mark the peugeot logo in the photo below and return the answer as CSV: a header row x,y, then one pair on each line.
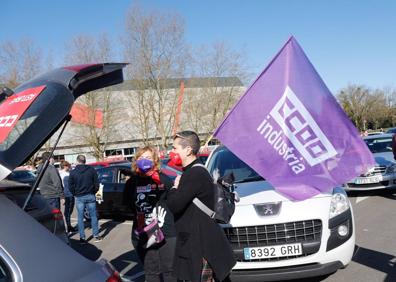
x,y
268,209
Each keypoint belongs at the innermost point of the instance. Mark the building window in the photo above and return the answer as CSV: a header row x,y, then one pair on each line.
x,y
114,152
129,151
59,158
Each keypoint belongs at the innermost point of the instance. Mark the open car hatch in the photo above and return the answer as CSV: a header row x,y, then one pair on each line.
x,y
30,116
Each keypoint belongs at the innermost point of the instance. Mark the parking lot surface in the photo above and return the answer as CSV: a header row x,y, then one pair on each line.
x,y
374,258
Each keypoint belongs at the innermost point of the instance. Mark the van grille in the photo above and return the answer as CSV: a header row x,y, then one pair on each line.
x,y
307,231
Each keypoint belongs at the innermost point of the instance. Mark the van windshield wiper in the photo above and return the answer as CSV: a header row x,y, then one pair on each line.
x,y
250,179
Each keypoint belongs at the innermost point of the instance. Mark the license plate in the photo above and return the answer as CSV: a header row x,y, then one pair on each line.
x,y
272,251
368,180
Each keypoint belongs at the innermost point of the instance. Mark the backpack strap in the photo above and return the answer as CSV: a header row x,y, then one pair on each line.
x,y
198,202
204,208
201,165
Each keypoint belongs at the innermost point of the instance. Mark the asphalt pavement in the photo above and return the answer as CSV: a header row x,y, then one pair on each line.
x,y
374,258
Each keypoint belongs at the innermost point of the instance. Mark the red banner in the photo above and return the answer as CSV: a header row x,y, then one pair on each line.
x,y
14,107
86,115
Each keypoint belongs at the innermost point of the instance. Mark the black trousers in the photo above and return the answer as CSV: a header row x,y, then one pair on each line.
x,y
69,206
157,261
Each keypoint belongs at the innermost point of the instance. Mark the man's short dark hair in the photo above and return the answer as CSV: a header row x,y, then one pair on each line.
x,y
46,155
189,138
81,159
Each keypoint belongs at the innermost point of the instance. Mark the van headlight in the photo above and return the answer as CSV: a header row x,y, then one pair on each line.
x,y
339,202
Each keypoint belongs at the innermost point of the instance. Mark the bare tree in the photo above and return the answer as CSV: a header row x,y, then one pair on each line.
x,y
363,105
154,44
84,49
140,117
221,70
19,62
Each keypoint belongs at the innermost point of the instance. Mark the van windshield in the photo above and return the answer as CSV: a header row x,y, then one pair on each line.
x,y
225,162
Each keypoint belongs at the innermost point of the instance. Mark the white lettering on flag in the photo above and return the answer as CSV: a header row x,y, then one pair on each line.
x,y
296,124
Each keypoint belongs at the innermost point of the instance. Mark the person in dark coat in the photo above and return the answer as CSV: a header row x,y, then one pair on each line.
x,y
202,249
50,184
83,185
144,192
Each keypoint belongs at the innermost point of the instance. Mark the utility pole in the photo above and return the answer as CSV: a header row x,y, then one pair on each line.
x,y
178,108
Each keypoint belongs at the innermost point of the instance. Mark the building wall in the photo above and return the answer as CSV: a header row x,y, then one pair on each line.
x,y
124,134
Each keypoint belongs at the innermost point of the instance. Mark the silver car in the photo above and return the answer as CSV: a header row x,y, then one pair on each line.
x,y
28,118
383,174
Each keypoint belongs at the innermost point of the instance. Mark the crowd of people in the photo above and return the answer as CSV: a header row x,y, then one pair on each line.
x,y
173,238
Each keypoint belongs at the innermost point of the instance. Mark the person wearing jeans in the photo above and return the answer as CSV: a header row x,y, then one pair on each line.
x,y
69,199
83,184
87,201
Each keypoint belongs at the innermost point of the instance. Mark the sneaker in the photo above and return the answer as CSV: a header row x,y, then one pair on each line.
x,y
98,239
83,241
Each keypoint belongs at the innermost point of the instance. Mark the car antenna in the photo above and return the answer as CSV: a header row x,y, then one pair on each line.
x,y
45,165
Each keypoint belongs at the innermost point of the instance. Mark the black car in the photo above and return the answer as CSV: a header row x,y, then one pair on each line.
x,y
113,179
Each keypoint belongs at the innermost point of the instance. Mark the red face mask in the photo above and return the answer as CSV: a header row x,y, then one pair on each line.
x,y
175,159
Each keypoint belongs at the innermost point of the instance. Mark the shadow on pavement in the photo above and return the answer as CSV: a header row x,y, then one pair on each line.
x,y
107,226
383,262
127,264
389,194
88,250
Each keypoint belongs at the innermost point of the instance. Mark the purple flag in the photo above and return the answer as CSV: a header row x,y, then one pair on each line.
x,y
291,130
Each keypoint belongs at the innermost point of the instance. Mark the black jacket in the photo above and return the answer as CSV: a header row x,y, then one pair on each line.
x,y
152,198
198,235
83,180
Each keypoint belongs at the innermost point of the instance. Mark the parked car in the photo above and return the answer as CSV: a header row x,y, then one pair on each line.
x,y
391,130
23,176
29,253
113,179
274,238
38,208
374,133
383,174
107,163
29,117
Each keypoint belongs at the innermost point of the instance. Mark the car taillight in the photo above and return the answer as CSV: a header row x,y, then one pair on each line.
x,y
115,277
57,214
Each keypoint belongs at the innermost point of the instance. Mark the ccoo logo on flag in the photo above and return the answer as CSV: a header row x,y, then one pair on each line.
x,y
292,120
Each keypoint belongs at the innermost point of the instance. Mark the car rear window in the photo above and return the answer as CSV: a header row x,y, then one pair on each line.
x,y
38,122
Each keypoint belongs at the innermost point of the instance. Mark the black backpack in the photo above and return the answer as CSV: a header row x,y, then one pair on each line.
x,y
225,198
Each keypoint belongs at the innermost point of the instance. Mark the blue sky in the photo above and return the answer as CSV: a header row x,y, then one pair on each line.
x,y
347,41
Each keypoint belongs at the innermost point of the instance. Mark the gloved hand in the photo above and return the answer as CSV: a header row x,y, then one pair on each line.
x,y
99,194
160,216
